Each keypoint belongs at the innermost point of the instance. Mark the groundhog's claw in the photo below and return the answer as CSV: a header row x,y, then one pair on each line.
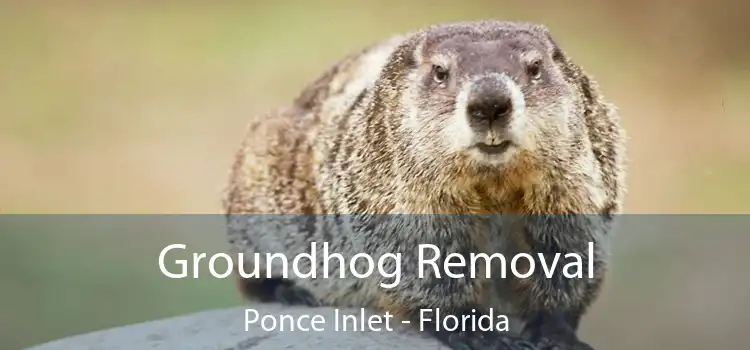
x,y
483,340
548,344
486,341
292,295
552,332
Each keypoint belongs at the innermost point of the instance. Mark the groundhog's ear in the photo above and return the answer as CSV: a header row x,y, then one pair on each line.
x,y
558,55
402,60
571,71
407,54
417,47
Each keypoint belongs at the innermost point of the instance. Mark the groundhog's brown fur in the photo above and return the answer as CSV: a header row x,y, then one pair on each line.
x,y
382,133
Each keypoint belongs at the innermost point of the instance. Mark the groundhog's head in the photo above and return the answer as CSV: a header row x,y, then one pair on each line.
x,y
486,92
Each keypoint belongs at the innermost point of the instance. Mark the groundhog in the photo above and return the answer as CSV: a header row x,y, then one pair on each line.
x,y
476,137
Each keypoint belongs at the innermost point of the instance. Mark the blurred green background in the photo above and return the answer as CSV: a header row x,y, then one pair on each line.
x,y
137,107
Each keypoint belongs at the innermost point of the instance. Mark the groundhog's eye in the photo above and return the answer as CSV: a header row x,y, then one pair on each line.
x,y
534,69
439,73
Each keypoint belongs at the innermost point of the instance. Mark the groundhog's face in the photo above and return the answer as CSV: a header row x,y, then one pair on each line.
x,y
487,93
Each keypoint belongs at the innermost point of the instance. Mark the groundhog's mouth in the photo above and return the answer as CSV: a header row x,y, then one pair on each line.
x,y
494,149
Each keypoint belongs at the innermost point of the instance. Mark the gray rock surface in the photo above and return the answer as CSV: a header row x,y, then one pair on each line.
x,y
225,330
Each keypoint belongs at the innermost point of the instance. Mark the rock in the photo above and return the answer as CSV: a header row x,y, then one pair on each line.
x,y
225,330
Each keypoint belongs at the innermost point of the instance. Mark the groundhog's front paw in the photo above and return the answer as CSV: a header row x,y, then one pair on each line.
x,y
549,344
551,332
292,295
479,340
486,341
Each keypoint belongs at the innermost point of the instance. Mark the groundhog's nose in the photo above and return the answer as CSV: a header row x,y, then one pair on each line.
x,y
490,101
